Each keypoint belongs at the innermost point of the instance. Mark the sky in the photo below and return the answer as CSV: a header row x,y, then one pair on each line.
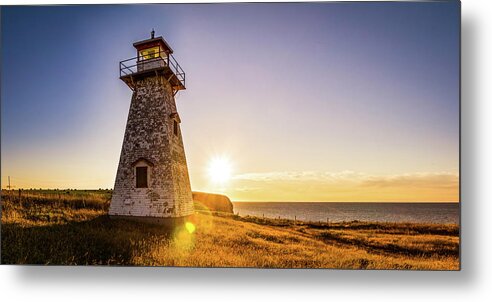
x,y
304,101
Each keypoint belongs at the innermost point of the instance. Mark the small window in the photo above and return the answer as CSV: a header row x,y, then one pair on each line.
x,y
175,127
142,177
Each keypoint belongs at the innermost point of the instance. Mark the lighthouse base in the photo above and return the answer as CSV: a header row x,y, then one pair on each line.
x,y
170,222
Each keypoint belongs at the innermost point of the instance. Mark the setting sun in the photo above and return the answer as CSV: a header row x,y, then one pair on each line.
x,y
219,170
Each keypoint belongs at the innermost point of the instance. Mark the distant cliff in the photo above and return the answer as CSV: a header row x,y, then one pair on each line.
x,y
212,202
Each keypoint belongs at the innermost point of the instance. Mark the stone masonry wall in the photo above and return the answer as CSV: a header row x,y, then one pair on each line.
x,y
150,141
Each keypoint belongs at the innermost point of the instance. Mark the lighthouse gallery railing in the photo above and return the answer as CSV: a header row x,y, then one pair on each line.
x,y
160,59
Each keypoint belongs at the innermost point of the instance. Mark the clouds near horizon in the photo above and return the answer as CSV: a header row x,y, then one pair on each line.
x,y
346,186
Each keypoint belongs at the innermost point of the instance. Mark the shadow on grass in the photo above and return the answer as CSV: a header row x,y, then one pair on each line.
x,y
393,228
384,227
100,241
437,248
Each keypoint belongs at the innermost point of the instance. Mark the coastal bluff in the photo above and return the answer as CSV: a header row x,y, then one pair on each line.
x,y
212,202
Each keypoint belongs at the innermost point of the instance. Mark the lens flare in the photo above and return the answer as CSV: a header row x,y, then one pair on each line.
x,y
190,227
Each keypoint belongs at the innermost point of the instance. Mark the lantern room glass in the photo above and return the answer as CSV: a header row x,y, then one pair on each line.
x,y
151,53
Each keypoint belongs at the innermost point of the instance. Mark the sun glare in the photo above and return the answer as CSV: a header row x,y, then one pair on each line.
x,y
219,170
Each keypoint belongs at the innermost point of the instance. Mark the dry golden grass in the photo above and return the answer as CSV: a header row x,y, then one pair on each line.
x,y
48,230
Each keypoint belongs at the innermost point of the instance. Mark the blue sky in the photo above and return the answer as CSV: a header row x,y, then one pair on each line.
x,y
371,88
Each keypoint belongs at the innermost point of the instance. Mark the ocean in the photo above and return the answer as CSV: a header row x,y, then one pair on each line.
x,y
348,211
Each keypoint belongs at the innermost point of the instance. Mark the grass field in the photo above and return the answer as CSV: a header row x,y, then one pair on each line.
x,y
72,228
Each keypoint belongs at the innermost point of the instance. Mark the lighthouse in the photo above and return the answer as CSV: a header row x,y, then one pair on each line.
x,y
152,182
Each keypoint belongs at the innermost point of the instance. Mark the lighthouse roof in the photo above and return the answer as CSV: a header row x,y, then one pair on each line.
x,y
153,42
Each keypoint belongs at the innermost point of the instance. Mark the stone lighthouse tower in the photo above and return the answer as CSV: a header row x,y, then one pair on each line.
x,y
152,182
